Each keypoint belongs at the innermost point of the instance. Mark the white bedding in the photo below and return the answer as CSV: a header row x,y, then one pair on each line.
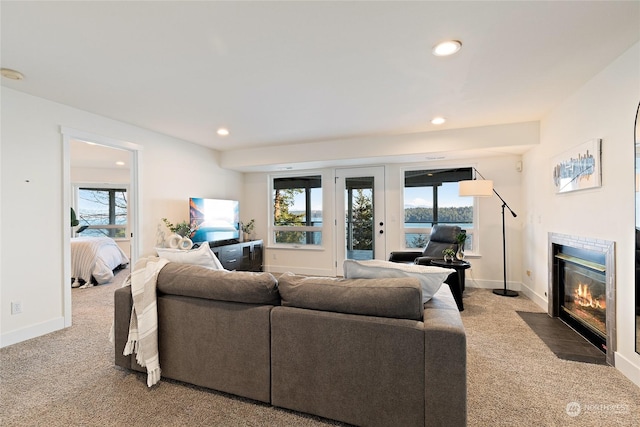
x,y
97,257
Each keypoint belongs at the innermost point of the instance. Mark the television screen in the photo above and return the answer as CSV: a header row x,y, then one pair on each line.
x,y
216,219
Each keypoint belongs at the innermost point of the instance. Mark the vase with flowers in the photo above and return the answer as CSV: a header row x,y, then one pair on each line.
x,y
247,229
182,233
461,238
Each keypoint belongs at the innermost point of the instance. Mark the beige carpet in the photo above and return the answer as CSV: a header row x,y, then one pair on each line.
x,y
67,378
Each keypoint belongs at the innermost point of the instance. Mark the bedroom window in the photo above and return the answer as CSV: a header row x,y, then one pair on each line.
x,y
297,210
431,197
103,211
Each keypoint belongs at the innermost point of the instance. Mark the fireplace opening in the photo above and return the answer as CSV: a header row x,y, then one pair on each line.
x,y
582,288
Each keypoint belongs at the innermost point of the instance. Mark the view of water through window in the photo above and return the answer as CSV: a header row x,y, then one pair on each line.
x,y
103,211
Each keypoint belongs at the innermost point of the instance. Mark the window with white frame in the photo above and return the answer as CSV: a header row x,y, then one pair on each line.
x,y
103,211
297,210
431,197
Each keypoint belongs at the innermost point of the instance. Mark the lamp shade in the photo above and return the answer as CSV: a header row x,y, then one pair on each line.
x,y
476,187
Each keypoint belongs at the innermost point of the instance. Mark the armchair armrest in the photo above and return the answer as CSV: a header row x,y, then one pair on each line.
x,y
426,260
404,256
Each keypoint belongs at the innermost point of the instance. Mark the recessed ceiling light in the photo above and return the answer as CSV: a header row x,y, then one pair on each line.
x,y
438,120
223,132
120,163
447,48
11,74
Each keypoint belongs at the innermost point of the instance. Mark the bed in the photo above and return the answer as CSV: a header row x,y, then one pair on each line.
x,y
93,260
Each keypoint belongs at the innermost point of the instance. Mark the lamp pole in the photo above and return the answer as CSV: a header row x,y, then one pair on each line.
x,y
504,291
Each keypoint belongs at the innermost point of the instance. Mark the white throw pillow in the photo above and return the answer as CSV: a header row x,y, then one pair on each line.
x,y
430,277
202,256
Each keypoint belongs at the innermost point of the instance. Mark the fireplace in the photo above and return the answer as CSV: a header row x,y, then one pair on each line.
x,y
581,288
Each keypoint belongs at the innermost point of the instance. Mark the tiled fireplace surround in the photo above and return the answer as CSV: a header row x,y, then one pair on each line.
x,y
601,246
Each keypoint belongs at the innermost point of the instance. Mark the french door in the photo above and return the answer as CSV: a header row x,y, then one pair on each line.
x,y
360,222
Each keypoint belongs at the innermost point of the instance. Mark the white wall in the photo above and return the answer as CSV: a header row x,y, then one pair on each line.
x,y
31,180
603,108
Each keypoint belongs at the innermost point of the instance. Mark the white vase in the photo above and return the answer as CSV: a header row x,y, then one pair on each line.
x,y
185,244
174,241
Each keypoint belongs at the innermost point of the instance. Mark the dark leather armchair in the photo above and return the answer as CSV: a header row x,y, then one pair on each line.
x,y
443,236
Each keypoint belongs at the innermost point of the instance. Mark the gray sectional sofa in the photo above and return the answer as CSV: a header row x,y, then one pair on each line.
x,y
361,351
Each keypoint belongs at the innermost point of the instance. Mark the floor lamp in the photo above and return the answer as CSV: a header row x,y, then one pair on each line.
x,y
484,188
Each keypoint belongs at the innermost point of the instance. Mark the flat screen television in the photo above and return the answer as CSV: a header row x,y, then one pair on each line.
x,y
217,220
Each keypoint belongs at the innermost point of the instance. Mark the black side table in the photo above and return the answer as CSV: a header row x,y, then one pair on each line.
x,y
455,280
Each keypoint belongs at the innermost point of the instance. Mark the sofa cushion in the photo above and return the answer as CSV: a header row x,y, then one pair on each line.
x,y
201,256
395,298
222,285
430,277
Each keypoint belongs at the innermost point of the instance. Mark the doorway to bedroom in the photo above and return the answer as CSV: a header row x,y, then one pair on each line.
x,y
101,192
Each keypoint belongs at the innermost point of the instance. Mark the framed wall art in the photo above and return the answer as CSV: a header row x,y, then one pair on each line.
x,y
578,168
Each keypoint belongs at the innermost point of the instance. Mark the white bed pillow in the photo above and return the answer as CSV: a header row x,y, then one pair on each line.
x,y
201,256
430,277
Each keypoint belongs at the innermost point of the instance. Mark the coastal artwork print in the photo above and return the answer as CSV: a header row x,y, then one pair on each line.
x,y
578,168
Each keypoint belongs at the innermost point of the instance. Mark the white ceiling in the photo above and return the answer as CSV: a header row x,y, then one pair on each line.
x,y
94,156
279,73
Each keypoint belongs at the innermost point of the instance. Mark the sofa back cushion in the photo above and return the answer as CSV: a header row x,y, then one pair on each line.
x,y
430,277
222,285
395,298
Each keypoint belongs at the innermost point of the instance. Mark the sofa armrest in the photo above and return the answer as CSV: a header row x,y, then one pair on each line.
x,y
404,256
123,304
445,362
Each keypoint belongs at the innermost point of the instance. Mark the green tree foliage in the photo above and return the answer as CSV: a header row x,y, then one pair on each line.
x,y
283,200
419,241
362,220
445,215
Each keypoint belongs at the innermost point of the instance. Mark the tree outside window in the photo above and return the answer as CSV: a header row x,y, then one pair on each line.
x,y
103,211
297,210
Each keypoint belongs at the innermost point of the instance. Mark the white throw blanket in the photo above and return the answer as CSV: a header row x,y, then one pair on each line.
x,y
143,328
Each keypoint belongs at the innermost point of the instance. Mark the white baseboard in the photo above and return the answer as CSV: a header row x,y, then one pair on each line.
x,y
629,368
490,284
540,300
32,331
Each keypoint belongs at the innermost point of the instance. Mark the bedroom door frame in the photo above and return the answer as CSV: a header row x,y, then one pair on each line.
x,y
133,208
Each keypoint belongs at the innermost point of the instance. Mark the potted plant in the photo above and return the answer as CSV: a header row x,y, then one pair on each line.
x,y
247,229
448,254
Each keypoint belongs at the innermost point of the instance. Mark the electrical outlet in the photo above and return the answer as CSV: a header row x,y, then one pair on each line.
x,y
16,307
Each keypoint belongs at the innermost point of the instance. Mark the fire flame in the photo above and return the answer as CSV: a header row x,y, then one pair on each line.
x,y
583,298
